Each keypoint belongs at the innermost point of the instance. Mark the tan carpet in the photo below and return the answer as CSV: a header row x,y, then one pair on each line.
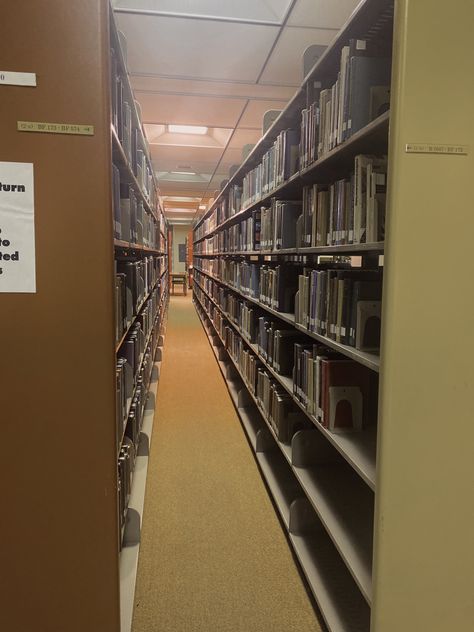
x,y
213,556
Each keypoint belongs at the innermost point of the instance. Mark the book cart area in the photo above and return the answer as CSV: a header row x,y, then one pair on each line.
x,y
99,222
290,266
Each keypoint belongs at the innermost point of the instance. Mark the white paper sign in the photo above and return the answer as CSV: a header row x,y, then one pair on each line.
x,y
17,78
17,228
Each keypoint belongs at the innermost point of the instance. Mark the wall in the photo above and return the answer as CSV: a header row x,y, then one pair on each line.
x,y
180,233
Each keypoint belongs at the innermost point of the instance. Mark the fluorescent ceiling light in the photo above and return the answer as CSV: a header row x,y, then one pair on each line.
x,y
174,198
185,173
202,207
187,129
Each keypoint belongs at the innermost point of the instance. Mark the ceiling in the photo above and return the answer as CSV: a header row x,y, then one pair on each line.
x,y
220,65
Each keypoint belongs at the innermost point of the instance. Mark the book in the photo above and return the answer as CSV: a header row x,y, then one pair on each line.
x,y
364,73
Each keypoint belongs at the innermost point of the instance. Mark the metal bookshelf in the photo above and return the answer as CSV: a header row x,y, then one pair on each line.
x,y
370,360
357,448
306,521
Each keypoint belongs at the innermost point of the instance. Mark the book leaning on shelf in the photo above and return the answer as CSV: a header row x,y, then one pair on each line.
x,y
132,221
343,305
360,94
278,164
339,393
348,211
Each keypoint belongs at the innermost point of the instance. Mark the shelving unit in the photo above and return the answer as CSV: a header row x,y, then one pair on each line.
x,y
370,139
60,405
340,601
331,483
373,517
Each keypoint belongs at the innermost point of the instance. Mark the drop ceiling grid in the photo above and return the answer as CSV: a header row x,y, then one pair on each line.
x,y
263,10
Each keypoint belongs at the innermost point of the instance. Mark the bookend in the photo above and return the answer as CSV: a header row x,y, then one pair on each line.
x,y
311,56
143,445
369,320
264,441
131,535
150,402
345,406
303,518
308,448
269,118
243,399
231,373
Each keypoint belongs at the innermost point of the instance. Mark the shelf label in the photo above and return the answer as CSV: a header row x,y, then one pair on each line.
x,y
430,148
17,78
55,128
17,228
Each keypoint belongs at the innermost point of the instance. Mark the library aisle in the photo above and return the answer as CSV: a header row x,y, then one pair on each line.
x,y
213,555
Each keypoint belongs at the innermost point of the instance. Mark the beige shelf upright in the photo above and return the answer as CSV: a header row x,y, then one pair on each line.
x,y
424,542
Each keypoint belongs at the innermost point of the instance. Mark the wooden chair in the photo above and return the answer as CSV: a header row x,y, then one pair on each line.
x,y
179,279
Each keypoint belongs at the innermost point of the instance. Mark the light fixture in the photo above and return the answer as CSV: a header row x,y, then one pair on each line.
x,y
184,173
187,129
174,198
202,207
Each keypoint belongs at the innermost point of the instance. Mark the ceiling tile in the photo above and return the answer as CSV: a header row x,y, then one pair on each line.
x,y
231,157
195,48
243,137
195,159
268,10
286,64
190,110
253,115
180,87
321,13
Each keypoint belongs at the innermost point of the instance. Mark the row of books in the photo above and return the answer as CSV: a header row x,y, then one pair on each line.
x,y
131,432
129,132
242,236
339,393
360,94
278,164
132,222
342,304
133,282
132,355
273,285
247,361
208,225
133,364
276,404
283,415
349,211
126,466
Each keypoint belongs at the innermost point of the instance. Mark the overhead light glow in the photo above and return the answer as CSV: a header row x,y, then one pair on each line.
x,y
187,129
202,207
184,173
174,198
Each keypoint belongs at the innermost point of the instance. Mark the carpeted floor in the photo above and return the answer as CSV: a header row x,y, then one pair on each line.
x,y
213,556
